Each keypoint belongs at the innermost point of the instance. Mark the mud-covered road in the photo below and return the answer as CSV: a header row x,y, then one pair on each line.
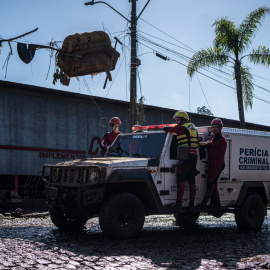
x,y
34,243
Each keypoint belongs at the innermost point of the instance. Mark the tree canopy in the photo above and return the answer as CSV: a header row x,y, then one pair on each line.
x,y
229,46
203,110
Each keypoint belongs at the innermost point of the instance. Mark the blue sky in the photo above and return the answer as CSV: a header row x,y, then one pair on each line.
x,y
181,26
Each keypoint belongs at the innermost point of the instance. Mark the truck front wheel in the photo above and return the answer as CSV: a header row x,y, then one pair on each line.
x,y
122,216
66,221
251,214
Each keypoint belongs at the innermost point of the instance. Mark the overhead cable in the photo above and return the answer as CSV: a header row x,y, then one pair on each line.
x,y
166,34
184,58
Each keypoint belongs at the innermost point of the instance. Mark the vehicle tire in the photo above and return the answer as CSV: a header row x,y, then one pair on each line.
x,y
251,214
122,216
65,221
186,220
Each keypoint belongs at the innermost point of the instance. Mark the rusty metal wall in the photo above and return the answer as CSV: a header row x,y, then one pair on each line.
x,y
39,125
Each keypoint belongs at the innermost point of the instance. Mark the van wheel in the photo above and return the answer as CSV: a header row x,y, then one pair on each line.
x,y
186,220
122,216
66,221
251,214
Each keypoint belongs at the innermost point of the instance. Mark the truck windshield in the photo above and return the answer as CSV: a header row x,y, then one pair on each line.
x,y
147,145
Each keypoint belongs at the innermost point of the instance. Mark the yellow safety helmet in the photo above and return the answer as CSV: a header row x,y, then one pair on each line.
x,y
181,114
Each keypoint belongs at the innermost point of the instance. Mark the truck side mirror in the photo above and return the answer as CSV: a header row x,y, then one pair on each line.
x,y
182,152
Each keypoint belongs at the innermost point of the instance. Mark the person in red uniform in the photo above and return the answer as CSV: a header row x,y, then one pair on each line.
x,y
217,146
187,135
109,137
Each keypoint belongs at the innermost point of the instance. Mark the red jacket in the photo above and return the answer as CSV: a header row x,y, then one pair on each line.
x,y
217,148
108,139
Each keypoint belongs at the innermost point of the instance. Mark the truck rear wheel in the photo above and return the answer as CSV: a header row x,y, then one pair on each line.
x,y
122,216
186,220
66,221
251,214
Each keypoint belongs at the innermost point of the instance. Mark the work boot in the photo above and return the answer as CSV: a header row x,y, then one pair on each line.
x,y
215,200
207,195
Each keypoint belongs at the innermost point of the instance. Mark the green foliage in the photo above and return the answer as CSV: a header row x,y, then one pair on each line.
x,y
59,76
230,42
206,58
226,35
140,111
203,110
260,56
247,86
250,26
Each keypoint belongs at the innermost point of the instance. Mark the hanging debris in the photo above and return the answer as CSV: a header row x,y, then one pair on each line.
x,y
60,75
26,52
87,53
26,58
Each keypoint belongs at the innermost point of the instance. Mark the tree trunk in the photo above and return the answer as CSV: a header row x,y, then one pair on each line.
x,y
237,72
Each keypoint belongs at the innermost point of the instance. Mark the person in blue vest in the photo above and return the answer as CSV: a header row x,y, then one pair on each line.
x,y
187,135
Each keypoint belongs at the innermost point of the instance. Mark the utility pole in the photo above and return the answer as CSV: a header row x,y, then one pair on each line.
x,y
133,67
134,62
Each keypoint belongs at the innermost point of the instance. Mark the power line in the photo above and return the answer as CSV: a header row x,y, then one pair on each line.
x,y
167,34
187,66
262,88
163,47
192,50
261,99
167,42
101,114
261,77
116,75
203,93
185,58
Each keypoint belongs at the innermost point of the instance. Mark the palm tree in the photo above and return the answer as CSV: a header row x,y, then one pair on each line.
x,y
228,47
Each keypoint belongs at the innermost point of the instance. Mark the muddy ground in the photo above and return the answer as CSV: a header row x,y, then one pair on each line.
x,y
33,242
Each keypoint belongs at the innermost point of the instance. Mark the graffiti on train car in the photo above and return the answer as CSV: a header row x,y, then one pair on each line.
x,y
93,151
60,155
66,154
94,147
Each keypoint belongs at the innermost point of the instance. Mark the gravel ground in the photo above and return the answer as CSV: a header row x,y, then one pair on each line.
x,y
33,242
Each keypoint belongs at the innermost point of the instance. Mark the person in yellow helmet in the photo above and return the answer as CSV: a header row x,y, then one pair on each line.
x,y
187,135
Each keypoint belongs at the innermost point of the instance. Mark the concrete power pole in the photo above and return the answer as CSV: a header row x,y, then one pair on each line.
x,y
133,67
134,62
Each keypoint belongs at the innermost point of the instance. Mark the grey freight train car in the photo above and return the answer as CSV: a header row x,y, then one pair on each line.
x,y
39,125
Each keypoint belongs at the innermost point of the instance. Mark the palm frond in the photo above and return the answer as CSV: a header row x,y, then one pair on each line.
x,y
226,34
250,26
206,58
247,86
260,56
